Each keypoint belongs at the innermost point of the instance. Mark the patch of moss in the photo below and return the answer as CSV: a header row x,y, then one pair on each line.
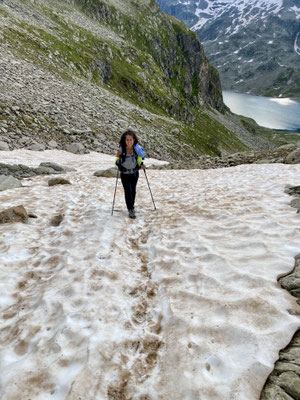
x,y
177,25
207,136
275,137
3,12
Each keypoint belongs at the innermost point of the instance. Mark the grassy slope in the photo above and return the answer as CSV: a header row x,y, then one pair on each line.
x,y
70,50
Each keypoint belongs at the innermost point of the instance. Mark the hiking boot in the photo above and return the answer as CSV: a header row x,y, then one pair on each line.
x,y
132,214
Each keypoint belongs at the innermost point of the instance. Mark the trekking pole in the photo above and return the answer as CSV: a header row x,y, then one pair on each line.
x,y
112,210
150,189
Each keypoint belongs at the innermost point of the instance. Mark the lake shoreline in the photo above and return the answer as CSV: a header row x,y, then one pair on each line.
x,y
278,114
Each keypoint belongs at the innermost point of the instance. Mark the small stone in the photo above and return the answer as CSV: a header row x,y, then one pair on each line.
x,y
52,144
106,173
9,182
3,146
54,166
75,148
58,181
13,214
37,147
31,215
295,203
56,220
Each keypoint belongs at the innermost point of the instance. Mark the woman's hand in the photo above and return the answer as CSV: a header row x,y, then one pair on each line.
x,y
143,166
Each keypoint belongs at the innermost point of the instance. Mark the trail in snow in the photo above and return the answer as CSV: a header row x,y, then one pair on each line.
x,y
181,303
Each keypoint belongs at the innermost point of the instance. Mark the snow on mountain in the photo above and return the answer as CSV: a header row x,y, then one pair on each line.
x,y
181,303
236,33
242,11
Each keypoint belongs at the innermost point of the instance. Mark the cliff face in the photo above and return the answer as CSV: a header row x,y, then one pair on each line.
x,y
168,55
84,70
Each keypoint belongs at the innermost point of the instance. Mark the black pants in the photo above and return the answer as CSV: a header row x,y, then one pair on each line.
x,y
129,182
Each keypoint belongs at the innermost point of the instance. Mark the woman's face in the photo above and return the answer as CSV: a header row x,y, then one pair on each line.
x,y
129,141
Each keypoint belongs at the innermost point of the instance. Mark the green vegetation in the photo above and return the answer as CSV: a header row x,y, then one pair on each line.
x,y
209,136
148,68
277,138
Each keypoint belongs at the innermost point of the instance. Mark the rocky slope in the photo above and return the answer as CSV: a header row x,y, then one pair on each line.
x,y
83,71
255,45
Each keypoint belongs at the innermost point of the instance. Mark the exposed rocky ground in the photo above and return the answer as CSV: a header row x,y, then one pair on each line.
x,y
284,382
288,154
74,78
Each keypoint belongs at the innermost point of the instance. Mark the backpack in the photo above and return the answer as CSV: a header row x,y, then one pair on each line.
x,y
139,153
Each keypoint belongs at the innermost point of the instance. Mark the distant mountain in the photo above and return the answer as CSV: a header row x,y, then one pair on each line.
x,y
83,71
255,44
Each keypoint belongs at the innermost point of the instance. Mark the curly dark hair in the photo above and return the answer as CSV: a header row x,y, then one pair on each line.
x,y
129,132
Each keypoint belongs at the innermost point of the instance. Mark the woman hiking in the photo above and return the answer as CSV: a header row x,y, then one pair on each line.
x,y
129,160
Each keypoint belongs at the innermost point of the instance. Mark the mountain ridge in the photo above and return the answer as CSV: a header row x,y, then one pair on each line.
x,y
83,71
255,45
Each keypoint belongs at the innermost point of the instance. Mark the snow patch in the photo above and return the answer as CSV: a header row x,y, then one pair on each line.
x,y
296,10
296,47
284,102
103,305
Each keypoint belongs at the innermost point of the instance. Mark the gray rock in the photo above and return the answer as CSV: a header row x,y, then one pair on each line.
x,y
293,157
3,146
290,146
44,171
266,161
290,382
9,182
295,203
293,190
175,132
107,173
290,282
123,124
76,148
37,147
54,166
274,392
284,381
52,144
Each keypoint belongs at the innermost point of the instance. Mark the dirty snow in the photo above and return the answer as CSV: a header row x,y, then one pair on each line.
x,y
181,303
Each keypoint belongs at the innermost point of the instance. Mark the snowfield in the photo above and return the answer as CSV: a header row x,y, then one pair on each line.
x,y
180,304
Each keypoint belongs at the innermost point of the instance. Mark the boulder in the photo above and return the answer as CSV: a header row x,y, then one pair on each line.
x,y
52,144
37,147
107,173
76,148
13,214
293,190
3,146
290,383
44,171
58,181
290,146
9,182
293,157
54,166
